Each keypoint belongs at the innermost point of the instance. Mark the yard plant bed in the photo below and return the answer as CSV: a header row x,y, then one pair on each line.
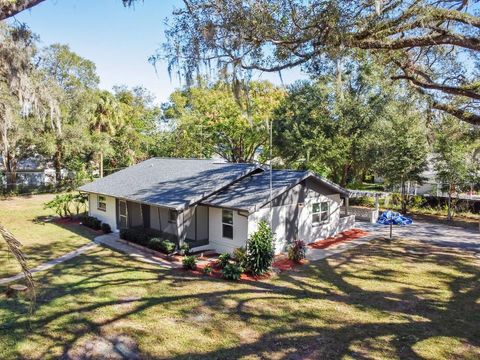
x,y
344,236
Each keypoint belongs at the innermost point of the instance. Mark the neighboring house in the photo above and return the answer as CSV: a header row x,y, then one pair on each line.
x,y
217,206
32,172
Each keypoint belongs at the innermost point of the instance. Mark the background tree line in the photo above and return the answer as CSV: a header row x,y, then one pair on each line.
x,y
52,108
347,125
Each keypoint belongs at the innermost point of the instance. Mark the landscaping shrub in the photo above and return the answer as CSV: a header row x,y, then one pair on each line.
x,y
240,255
92,222
106,228
135,235
167,246
155,244
139,235
63,204
224,259
184,249
232,271
189,262
260,250
296,250
207,270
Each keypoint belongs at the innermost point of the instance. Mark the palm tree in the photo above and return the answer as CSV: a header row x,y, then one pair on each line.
x,y
106,120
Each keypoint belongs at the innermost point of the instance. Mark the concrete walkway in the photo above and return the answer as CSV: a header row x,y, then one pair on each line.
x,y
112,241
51,263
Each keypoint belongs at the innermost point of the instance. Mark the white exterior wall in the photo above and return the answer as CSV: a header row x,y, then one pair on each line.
x,y
109,216
283,216
240,231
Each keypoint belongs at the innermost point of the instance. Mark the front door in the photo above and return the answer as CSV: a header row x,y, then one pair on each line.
x,y
122,214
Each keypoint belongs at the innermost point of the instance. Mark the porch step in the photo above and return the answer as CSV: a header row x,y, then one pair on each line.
x,y
209,253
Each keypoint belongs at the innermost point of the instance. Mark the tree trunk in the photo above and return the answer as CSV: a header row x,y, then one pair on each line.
x,y
343,182
449,203
404,198
11,172
57,163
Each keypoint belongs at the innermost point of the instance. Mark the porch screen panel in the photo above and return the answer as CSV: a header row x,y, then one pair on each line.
x,y
202,223
134,214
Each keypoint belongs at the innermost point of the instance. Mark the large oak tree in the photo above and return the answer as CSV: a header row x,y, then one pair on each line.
x,y
433,45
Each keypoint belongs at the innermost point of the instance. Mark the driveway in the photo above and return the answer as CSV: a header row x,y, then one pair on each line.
x,y
433,233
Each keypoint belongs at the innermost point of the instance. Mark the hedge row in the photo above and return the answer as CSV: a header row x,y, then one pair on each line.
x,y
150,238
95,224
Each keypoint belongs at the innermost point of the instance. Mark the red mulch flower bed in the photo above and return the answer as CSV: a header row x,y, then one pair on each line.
x,y
284,264
66,220
339,238
217,272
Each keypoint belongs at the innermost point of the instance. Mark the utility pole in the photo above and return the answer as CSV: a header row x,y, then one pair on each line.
x,y
101,164
271,182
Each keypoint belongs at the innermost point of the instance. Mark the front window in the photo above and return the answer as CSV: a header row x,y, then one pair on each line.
x,y
101,203
227,224
320,212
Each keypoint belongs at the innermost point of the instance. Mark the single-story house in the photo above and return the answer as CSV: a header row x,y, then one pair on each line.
x,y
216,205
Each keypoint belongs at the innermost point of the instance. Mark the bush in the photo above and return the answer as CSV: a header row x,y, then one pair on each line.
x,y
135,235
296,250
189,262
106,228
63,204
139,235
155,244
224,259
260,250
184,249
232,271
240,255
207,270
92,222
167,246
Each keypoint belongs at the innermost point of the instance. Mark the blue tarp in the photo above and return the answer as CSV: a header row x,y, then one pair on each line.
x,y
395,218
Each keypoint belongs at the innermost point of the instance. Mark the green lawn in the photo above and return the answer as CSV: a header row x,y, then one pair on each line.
x,y
41,241
377,301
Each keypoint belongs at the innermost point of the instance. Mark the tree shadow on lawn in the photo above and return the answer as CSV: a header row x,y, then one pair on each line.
x,y
409,314
38,253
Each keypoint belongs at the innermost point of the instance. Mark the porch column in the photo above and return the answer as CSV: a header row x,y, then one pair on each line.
x,y
346,206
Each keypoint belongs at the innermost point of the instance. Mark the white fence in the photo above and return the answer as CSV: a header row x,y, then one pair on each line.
x,y
362,213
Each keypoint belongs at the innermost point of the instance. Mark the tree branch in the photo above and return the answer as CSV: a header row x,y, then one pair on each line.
x,y
12,8
463,115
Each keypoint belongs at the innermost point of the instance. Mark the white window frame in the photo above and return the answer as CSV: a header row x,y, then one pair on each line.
x,y
101,202
230,224
320,213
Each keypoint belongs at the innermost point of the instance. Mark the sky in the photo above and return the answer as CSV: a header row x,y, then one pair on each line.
x,y
118,40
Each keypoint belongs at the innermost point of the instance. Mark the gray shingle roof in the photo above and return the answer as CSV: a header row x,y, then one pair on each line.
x,y
173,183
253,191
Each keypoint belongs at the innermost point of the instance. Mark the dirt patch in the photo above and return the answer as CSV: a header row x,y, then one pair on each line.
x,y
118,347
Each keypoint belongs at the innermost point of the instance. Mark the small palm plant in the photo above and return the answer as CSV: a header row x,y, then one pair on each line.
x,y
14,246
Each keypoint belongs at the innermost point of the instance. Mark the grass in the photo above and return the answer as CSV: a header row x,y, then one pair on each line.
x,y
41,241
378,301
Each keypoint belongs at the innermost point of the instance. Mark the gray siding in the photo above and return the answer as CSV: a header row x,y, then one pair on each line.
x,y
297,194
